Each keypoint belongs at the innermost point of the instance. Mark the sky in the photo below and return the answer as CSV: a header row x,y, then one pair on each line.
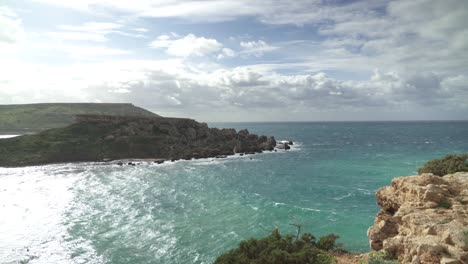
x,y
241,60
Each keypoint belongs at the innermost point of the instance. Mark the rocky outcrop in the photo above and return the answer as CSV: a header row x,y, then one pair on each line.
x,y
423,219
98,138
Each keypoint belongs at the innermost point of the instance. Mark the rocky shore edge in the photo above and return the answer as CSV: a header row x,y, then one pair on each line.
x,y
281,146
98,138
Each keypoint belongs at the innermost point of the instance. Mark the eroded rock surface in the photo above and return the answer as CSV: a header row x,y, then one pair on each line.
x,y
423,219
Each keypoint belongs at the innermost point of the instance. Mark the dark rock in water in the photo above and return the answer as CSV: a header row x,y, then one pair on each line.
x,y
173,160
290,142
242,154
120,163
284,146
131,164
260,151
94,137
276,150
159,161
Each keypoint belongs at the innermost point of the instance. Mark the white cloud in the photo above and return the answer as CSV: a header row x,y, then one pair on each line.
x,y
256,48
189,45
226,53
10,26
93,31
77,36
182,87
141,29
98,27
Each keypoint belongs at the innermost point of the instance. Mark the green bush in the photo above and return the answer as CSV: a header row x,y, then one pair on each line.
x,y
281,250
381,257
327,242
447,165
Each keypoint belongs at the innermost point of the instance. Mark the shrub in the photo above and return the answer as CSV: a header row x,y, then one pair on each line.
x,y
381,257
279,249
328,242
446,165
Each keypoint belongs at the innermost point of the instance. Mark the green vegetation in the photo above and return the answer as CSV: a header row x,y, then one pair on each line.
x,y
282,250
380,257
445,204
447,165
32,118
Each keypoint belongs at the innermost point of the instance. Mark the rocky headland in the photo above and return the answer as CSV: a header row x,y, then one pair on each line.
x,y
423,219
105,138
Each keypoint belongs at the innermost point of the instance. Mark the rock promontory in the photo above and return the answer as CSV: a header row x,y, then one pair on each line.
x,y
423,219
103,138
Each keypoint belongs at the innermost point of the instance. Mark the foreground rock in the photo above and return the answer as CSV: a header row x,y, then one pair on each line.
x,y
99,138
423,219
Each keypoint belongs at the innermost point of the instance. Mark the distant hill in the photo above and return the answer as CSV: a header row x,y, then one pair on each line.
x,y
31,118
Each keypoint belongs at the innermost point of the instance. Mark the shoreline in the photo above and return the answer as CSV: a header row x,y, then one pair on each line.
x,y
154,161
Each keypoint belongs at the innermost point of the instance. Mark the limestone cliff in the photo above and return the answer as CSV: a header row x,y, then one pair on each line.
x,y
423,219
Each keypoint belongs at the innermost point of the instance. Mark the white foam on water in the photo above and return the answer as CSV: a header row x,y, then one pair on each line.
x,y
32,206
342,197
8,136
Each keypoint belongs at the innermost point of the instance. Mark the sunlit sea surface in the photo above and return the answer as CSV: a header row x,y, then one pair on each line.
x,y
192,211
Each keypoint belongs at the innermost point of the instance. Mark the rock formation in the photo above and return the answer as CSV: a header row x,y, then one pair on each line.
x,y
423,219
99,138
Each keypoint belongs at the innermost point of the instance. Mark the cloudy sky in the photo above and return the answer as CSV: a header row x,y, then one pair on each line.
x,y
241,60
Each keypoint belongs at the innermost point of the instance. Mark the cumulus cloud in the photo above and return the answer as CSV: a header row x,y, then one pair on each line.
x,y
181,88
189,45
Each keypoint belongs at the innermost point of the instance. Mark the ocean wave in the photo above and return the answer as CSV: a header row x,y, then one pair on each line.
x,y
308,209
342,197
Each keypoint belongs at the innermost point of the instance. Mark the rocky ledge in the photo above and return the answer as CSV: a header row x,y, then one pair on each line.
x,y
423,219
104,138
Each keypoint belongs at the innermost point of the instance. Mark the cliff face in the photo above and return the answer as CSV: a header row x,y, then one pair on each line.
x,y
97,138
423,219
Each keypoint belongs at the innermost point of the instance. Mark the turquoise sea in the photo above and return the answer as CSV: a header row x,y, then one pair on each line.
x,y
192,211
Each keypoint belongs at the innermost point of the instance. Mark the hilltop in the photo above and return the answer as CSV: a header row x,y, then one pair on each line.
x,y
33,118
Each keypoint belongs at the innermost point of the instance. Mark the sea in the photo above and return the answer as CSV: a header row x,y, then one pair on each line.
x,y
193,211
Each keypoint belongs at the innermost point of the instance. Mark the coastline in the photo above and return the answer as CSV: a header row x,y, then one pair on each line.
x,y
156,162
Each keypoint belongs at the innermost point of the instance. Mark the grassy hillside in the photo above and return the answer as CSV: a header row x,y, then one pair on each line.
x,y
31,118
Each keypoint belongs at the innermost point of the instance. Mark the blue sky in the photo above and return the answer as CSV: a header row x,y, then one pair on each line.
x,y
226,60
